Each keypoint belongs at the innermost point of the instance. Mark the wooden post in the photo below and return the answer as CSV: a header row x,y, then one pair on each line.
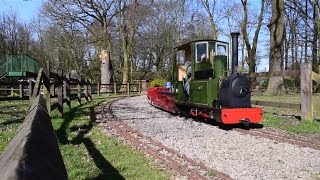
x,y
115,88
31,85
98,88
306,91
46,90
54,87
139,87
11,91
66,89
90,90
60,91
79,90
21,94
128,88
86,94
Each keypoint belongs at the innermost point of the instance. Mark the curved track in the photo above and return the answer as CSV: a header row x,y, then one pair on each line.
x,y
281,137
193,149
181,164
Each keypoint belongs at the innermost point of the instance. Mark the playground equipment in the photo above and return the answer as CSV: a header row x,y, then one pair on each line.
x,y
15,67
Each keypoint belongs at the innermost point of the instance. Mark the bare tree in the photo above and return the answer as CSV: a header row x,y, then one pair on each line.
x,y
86,15
316,42
210,9
277,29
127,28
251,49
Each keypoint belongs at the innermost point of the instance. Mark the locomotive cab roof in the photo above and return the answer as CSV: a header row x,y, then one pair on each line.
x,y
186,45
202,55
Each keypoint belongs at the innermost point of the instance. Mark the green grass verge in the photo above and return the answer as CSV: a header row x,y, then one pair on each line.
x,y
90,154
291,125
12,113
288,119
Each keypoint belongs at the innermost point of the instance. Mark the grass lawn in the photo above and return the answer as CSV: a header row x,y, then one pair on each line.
x,y
289,119
87,152
90,154
12,113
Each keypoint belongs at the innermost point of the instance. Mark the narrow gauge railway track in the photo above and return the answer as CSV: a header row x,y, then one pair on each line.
x,y
286,138
181,164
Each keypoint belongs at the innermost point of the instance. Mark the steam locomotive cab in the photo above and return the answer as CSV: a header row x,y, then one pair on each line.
x,y
200,67
204,86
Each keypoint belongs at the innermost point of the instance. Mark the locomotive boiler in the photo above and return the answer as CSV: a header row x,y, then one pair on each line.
x,y
204,87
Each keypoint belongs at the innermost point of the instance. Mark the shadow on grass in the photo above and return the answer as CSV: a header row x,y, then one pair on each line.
x,y
107,170
14,121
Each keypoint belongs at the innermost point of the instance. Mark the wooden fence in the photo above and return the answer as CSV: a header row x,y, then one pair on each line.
x,y
307,76
116,88
70,86
33,153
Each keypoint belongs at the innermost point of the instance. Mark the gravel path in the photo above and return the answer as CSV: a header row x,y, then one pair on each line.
x,y
238,155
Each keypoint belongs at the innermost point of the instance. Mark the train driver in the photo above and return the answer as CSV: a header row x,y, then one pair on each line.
x,y
187,66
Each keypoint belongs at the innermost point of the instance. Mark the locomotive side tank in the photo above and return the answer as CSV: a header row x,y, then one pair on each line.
x,y
204,87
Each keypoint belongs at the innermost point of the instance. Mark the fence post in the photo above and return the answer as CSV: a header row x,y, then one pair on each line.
x,y
306,91
21,94
98,88
139,87
46,89
54,88
86,89
12,91
60,91
31,85
66,89
79,90
128,88
115,88
90,90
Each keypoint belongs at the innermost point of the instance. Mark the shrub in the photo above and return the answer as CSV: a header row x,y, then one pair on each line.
x,y
157,82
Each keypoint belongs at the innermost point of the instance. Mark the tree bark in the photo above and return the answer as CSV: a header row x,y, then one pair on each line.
x,y
128,28
276,27
315,59
106,71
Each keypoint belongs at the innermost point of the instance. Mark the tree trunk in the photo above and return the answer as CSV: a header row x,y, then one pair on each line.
x,y
213,25
251,49
126,68
286,55
315,60
106,71
276,27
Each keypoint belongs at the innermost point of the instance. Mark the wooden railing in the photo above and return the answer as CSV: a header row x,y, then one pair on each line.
x,y
33,153
307,76
116,88
71,85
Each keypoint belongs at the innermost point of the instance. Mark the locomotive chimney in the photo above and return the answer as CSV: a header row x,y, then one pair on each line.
x,y
234,59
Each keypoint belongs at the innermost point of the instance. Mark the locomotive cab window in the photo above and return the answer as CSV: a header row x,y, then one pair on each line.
x,y
222,49
202,54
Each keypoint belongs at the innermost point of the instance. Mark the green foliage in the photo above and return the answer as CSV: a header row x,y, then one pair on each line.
x,y
292,84
157,82
14,94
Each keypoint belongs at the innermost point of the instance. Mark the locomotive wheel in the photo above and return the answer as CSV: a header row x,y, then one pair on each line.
x,y
185,113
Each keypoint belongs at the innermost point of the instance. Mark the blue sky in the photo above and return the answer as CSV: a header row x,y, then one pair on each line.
x,y
26,9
